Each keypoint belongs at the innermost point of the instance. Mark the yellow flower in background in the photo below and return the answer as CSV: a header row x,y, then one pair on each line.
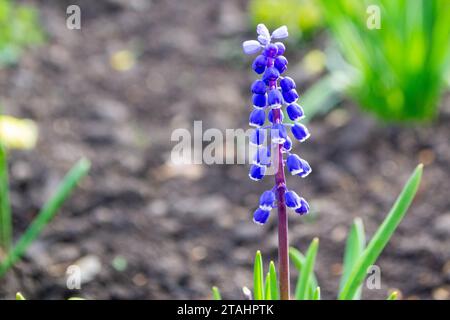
x,y
17,133
314,62
122,60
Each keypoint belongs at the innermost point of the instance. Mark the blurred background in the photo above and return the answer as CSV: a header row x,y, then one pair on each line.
x,y
377,101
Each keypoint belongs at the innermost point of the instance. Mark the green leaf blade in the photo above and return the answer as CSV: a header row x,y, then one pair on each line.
x,y
216,293
274,289
306,273
382,235
258,277
69,183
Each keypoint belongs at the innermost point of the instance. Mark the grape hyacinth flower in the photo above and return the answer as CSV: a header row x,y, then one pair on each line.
x,y
270,94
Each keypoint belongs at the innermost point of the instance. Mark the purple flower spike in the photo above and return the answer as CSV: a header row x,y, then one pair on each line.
x,y
251,46
267,200
304,207
300,132
261,216
257,172
274,92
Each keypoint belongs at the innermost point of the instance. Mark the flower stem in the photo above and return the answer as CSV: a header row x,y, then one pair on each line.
x,y
280,184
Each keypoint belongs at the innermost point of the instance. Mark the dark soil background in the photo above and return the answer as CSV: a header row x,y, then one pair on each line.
x,y
182,230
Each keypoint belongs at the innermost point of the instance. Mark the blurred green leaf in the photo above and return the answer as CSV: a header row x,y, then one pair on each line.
x,y
393,296
216,293
316,295
68,184
356,243
19,296
5,208
267,288
382,236
401,67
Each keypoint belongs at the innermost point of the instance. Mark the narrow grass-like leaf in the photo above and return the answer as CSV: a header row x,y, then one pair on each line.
x,y
267,285
20,296
258,278
216,293
274,289
393,296
68,184
299,261
316,295
5,207
306,272
382,236
356,243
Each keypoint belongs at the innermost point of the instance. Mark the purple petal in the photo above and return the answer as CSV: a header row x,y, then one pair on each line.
x,y
280,33
262,30
251,46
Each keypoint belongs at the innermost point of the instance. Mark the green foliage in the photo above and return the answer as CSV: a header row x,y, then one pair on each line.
x,y
398,71
357,257
301,16
45,215
19,28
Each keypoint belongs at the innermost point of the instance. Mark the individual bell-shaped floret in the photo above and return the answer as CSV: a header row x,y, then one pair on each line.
x,y
263,33
258,87
290,96
281,63
294,164
257,118
258,136
304,207
278,133
251,46
267,200
275,99
280,33
292,200
300,132
260,216
259,100
259,64
295,112
271,50
287,83
270,116
281,48
271,74
287,145
306,168
262,156
257,172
